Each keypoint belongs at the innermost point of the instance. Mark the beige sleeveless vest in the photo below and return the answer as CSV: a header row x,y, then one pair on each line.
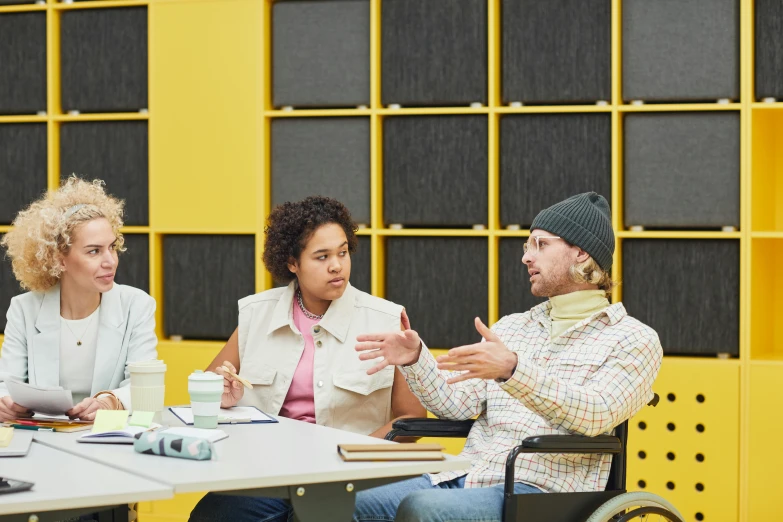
x,y
270,347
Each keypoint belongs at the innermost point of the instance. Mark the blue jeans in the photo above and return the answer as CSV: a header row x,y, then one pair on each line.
x,y
410,500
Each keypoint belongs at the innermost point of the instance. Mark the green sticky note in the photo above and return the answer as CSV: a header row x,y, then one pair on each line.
x,y
110,420
141,418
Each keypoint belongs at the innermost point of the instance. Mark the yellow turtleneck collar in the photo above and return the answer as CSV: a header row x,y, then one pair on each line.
x,y
569,309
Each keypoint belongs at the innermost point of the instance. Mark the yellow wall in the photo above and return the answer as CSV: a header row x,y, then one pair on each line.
x,y
209,112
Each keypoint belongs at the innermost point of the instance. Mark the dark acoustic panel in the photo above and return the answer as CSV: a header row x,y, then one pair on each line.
x,y
321,53
434,52
442,283
769,49
22,167
361,265
680,50
22,63
557,52
514,283
116,152
104,59
204,277
134,264
687,290
435,170
682,170
9,286
546,158
322,156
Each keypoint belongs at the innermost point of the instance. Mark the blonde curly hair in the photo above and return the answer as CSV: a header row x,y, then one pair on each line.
x,y
589,272
42,233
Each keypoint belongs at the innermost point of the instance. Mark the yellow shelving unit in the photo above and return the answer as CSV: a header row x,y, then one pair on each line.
x,y
209,157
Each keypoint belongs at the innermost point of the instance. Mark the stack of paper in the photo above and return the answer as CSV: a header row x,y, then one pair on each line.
x,y
40,399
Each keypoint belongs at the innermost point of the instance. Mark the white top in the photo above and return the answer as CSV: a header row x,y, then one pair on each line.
x,y
254,456
64,481
77,361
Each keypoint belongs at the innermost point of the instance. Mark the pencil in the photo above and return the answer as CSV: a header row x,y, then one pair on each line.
x,y
245,382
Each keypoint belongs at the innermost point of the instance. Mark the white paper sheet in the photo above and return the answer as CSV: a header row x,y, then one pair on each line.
x,y
54,401
235,415
210,435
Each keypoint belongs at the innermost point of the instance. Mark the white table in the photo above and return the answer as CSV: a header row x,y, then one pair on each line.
x,y
67,485
274,460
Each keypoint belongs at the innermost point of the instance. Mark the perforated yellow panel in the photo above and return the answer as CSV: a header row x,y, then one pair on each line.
x,y
687,448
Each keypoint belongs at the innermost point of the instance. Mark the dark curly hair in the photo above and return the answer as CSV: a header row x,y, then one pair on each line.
x,y
291,225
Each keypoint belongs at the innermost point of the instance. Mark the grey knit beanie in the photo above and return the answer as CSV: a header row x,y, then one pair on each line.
x,y
583,220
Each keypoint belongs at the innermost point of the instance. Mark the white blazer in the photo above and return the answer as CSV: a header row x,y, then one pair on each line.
x,y
126,333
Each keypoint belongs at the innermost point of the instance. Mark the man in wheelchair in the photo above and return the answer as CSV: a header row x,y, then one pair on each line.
x,y
575,364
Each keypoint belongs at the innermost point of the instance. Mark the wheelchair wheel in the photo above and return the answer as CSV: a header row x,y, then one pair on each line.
x,y
637,506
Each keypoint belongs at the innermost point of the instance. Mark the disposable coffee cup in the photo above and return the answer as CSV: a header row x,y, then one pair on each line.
x,y
206,390
148,385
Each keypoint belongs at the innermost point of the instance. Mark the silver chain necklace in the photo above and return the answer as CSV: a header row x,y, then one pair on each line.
x,y
308,313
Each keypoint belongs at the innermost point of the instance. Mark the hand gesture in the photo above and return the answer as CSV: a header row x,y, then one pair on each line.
x,y
233,390
489,359
393,348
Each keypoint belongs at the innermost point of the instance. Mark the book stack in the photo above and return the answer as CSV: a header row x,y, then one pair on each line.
x,y
382,452
50,424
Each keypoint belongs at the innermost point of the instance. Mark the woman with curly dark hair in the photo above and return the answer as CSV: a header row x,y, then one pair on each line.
x,y
295,344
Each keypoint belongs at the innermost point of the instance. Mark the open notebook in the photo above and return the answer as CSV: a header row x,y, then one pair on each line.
x,y
128,435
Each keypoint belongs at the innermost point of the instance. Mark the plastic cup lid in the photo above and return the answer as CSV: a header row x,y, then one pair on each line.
x,y
200,375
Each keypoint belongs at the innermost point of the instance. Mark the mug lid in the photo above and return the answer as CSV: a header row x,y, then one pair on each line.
x,y
200,375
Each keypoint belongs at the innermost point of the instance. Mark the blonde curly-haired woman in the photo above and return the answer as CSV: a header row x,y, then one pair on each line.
x,y
75,327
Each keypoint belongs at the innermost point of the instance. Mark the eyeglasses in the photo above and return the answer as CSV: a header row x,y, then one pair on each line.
x,y
533,245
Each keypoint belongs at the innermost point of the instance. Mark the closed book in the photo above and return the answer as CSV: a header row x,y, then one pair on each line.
x,y
405,451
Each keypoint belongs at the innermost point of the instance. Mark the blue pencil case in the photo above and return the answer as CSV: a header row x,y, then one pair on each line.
x,y
170,445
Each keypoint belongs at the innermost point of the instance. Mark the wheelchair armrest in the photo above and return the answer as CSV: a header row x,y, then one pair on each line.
x,y
571,444
423,427
558,444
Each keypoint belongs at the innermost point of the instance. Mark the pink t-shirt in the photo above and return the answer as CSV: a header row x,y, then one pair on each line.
x,y
299,403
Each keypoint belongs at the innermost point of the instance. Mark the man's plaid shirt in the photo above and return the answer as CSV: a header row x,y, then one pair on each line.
x,y
591,378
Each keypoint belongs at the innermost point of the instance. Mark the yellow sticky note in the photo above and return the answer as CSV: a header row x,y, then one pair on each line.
x,y
109,420
141,418
6,434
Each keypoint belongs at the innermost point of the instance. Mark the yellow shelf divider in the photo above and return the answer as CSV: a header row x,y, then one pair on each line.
x,y
317,113
103,116
24,118
377,242
97,4
493,148
26,8
680,107
678,234
616,196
